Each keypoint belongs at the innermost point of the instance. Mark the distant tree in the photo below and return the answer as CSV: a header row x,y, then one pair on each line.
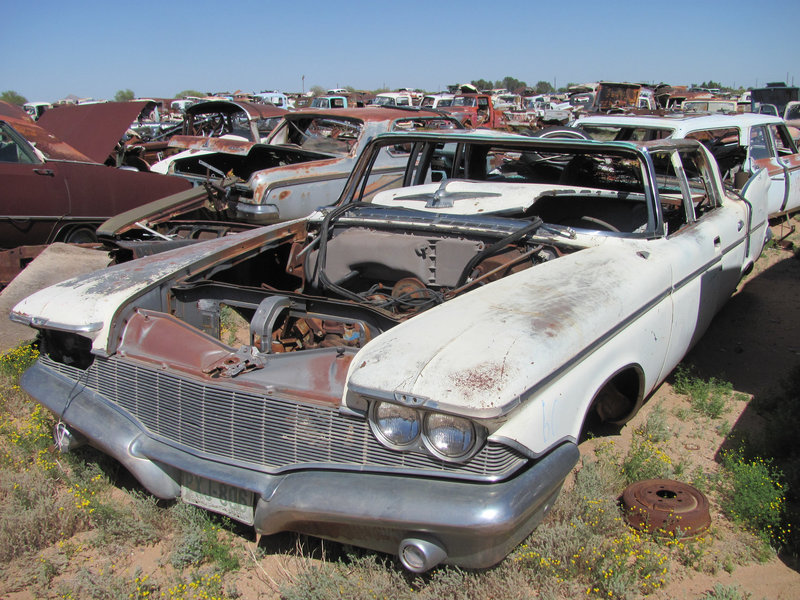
x,y
186,93
350,88
711,84
13,97
124,95
381,90
544,87
565,88
317,90
511,84
482,84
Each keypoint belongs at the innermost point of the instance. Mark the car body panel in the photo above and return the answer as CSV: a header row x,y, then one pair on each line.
x,y
94,129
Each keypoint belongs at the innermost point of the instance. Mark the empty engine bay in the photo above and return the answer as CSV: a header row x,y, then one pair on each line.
x,y
341,286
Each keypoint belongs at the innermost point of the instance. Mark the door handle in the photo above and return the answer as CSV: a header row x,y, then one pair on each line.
x,y
717,243
45,172
739,225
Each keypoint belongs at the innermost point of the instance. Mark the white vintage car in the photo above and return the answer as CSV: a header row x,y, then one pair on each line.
x,y
413,368
741,143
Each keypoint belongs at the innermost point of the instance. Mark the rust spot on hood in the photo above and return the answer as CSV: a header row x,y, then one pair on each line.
x,y
483,378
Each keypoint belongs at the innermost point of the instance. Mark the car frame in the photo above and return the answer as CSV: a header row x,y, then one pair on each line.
x,y
419,362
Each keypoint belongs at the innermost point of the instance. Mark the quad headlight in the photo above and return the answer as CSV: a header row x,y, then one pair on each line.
x,y
398,425
449,436
446,437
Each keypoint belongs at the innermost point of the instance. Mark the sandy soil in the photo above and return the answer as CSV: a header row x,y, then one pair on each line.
x,y
753,343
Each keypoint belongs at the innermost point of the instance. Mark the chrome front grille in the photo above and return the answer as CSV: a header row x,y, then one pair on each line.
x,y
261,432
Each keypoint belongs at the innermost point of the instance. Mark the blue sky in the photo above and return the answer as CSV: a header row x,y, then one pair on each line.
x,y
52,49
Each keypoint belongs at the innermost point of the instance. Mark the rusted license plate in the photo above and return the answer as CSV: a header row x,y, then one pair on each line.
x,y
218,497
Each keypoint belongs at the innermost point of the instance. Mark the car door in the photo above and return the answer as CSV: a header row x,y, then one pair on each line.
x,y
789,159
35,196
706,246
761,154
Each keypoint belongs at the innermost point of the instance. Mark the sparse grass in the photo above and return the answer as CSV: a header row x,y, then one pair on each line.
x,y
232,325
725,592
771,246
46,498
645,460
200,540
707,398
657,427
138,522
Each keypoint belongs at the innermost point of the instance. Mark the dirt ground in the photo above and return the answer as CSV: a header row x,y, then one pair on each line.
x,y
753,343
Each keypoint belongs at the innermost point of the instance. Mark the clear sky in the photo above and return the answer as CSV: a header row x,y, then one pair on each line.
x,y
92,49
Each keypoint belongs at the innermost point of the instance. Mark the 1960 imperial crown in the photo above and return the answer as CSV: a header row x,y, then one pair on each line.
x,y
416,364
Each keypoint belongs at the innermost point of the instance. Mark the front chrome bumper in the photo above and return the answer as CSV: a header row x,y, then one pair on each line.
x,y
476,524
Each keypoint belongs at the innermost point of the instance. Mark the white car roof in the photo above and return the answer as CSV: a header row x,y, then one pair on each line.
x,y
681,124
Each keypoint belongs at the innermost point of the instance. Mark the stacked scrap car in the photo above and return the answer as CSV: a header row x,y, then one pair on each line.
x,y
304,166
421,359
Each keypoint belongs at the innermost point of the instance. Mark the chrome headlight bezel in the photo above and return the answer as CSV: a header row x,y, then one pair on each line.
x,y
381,433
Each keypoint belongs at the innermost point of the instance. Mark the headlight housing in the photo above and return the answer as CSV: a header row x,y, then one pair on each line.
x,y
395,425
446,437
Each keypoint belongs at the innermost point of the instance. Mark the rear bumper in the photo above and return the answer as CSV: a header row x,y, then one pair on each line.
x,y
477,524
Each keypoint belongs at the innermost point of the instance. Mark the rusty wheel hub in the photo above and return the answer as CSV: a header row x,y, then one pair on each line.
x,y
666,507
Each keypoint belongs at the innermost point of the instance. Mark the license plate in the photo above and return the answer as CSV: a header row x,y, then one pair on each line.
x,y
218,497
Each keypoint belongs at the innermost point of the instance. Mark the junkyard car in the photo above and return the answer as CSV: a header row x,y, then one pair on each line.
x,y
226,121
305,162
741,143
414,366
53,192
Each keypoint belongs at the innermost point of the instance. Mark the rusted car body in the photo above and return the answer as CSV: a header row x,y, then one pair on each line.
x,y
224,121
53,192
304,163
742,144
413,367
476,110
97,130
248,121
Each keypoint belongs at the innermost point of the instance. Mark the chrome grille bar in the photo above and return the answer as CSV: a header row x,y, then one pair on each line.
x,y
262,432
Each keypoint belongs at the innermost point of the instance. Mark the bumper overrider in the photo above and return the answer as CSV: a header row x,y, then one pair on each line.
x,y
423,520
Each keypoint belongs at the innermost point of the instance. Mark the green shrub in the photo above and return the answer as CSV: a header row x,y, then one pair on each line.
x,y
14,362
725,592
199,540
708,398
657,425
645,460
754,496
